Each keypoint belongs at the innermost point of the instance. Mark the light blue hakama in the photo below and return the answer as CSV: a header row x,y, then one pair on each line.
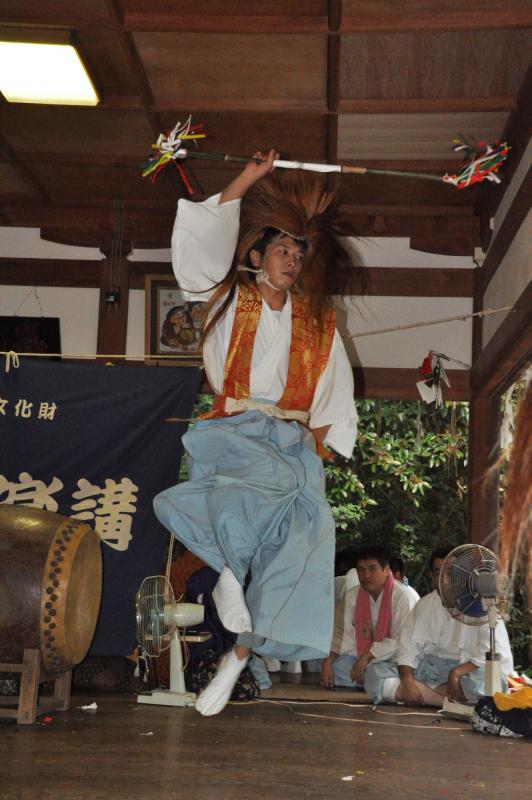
x,y
433,671
255,501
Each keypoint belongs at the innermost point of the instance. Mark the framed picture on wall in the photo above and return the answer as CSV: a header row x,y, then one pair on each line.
x,y
31,335
173,324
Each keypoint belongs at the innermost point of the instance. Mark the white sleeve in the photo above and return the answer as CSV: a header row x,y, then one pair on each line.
x,y
203,244
409,650
343,640
402,604
333,402
476,647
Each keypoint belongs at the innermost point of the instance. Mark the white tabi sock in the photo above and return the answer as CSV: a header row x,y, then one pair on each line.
x,y
215,697
389,689
230,603
272,664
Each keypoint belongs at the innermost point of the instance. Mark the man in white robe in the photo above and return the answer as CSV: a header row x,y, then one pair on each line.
x,y
437,656
397,566
345,665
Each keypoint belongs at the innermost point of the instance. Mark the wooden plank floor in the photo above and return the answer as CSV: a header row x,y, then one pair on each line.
x,y
260,750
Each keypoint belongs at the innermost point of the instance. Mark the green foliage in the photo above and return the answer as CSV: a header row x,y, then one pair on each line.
x,y
202,405
518,624
404,488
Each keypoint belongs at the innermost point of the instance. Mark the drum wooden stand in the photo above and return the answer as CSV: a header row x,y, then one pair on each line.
x,y
50,585
27,703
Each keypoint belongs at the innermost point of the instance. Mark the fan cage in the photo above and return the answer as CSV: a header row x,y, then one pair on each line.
x,y
458,582
155,624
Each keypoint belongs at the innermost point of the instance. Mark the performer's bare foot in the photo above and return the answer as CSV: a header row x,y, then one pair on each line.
x,y
228,597
215,697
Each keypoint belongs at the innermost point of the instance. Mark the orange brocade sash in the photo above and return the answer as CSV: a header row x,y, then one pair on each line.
x,y
310,346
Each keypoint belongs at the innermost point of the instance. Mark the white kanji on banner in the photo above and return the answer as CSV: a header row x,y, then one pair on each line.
x,y
111,508
47,410
30,492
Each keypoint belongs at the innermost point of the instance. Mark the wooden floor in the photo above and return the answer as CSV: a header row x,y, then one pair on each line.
x,y
265,749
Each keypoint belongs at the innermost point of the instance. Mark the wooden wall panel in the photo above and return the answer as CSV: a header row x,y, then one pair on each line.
x,y
400,384
245,71
397,15
229,15
72,15
82,131
413,136
434,65
296,134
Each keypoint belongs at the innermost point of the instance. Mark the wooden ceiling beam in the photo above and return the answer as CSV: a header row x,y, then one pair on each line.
x,y
394,16
154,21
195,105
513,220
421,282
509,351
51,272
400,384
427,105
432,229
335,14
517,133
203,166
383,281
153,231
343,106
409,211
132,57
22,171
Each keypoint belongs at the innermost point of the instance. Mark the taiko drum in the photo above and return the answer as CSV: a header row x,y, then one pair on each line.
x,y
50,586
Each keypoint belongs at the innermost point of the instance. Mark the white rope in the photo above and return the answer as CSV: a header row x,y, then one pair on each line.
x,y
485,313
11,359
176,356
93,356
355,720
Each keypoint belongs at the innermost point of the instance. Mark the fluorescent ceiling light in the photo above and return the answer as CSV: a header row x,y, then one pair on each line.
x,y
44,73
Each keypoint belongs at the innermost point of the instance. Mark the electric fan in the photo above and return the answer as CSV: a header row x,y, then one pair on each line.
x,y
474,593
159,618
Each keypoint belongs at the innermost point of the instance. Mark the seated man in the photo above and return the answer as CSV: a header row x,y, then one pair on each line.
x,y
437,656
397,566
345,574
368,618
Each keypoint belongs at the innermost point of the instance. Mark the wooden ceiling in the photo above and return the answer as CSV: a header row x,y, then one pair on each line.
x,y
383,83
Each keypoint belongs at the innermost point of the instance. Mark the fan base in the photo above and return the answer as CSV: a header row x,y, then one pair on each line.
x,y
457,710
165,697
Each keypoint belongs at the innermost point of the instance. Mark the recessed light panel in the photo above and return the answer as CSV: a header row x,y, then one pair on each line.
x,y
44,73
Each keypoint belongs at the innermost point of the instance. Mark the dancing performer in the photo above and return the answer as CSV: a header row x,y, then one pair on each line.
x,y
255,500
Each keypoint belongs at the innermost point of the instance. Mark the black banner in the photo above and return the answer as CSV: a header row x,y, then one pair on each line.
x,y
91,442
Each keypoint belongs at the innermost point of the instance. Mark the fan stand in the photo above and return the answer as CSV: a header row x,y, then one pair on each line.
x,y
492,678
176,695
27,703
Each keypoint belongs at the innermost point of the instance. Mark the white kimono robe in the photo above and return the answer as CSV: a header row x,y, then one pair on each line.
x,y
430,630
344,640
203,244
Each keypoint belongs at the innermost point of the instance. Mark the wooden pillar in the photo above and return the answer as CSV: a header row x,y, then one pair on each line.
x,y
112,320
483,501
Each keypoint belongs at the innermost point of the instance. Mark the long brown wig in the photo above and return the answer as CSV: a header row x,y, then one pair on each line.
x,y
296,203
515,540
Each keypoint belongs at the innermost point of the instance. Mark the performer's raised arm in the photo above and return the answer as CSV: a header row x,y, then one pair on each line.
x,y
252,172
205,234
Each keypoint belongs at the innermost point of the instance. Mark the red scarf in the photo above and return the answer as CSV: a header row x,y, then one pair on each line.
x,y
363,636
